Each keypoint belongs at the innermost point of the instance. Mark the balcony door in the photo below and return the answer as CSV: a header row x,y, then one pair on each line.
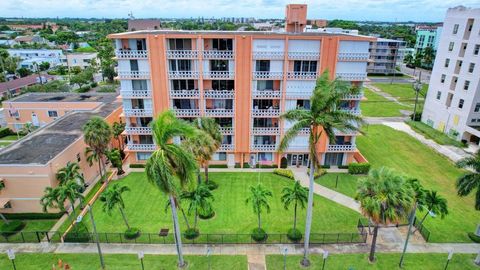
x,y
333,159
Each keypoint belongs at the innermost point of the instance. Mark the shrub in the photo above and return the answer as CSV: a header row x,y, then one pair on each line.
x,y
206,215
259,235
246,165
237,165
33,215
212,185
12,227
325,166
359,168
132,233
5,132
294,235
343,167
273,166
106,89
191,233
283,163
218,166
318,173
83,89
475,238
137,165
94,84
78,234
285,173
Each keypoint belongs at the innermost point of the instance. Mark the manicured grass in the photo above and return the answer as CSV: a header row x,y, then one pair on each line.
x,y
4,144
384,146
431,133
145,208
347,183
419,261
39,225
89,261
378,106
11,138
402,91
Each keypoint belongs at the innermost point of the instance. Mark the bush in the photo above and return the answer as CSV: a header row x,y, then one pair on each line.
x,y
294,235
325,166
343,167
5,132
12,227
259,235
206,215
107,89
93,84
191,233
283,163
318,173
359,168
22,216
78,234
137,165
83,89
218,166
211,185
273,166
417,116
475,238
246,165
132,233
237,165
285,173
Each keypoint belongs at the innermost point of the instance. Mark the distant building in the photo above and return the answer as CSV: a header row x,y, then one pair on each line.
x,y
30,57
385,55
296,18
319,23
264,26
82,60
7,42
30,40
143,24
427,36
13,87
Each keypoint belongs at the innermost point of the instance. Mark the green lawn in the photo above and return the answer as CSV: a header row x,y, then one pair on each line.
x,y
145,208
428,261
384,146
347,183
378,106
402,91
89,261
431,133
39,225
10,138
4,144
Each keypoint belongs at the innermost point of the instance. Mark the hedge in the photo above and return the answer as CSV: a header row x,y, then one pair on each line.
x,y
23,216
78,234
285,173
259,235
12,227
359,168
132,233
137,165
318,173
273,166
475,238
218,166
5,132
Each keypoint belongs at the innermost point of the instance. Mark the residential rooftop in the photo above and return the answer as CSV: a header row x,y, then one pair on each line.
x,y
23,82
66,97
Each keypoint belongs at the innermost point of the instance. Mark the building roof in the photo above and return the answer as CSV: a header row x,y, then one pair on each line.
x,y
22,82
65,97
44,144
143,24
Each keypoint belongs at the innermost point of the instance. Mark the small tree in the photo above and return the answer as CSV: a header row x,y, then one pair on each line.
x,y
117,129
44,66
112,198
24,72
69,191
258,198
297,195
27,128
434,203
199,200
71,172
115,158
97,135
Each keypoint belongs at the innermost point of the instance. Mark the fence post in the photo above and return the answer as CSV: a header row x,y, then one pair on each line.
x,y
149,238
338,237
323,241
38,237
106,238
121,240
23,238
48,237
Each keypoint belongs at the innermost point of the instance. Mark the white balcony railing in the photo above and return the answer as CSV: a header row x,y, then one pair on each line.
x,y
266,130
302,75
182,54
353,97
131,54
264,147
353,56
345,133
138,130
187,112
265,112
270,94
226,147
352,76
219,112
184,93
134,74
352,111
273,55
136,93
137,112
213,54
218,74
340,148
226,130
304,55
298,148
304,131
221,94
141,147
278,75
293,94
183,74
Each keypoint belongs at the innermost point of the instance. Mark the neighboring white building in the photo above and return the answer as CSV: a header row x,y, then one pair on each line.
x,y
82,60
453,100
385,55
31,56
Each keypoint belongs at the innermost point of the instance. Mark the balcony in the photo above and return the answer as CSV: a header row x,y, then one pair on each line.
x,y
218,75
340,148
269,94
353,97
136,93
182,54
183,74
131,54
184,94
266,112
298,148
220,94
214,54
226,130
187,112
271,55
353,56
226,147
266,130
291,94
275,75
352,111
352,76
302,75
303,55
219,112
134,74
264,147
141,147
345,133
138,112
138,130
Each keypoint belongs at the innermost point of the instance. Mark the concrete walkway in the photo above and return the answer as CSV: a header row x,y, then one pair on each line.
x,y
379,91
256,262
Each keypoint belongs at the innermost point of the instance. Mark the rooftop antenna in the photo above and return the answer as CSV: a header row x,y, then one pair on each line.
x,y
130,15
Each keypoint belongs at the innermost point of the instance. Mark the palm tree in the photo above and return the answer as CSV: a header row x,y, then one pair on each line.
x,y
2,186
112,198
470,181
199,200
69,191
115,158
170,166
259,200
434,203
97,134
210,127
27,128
409,59
385,197
202,148
71,172
297,195
428,56
50,200
117,129
322,120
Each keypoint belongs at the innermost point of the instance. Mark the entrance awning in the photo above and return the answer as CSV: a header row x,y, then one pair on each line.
x,y
4,202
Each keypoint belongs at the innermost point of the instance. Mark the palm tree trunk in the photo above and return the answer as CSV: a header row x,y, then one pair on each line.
x,y
100,167
420,223
176,232
206,172
124,217
199,176
259,220
295,217
371,258
308,224
184,217
477,259
4,218
196,218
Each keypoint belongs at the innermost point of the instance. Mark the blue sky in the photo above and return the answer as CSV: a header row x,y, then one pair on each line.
x,y
378,10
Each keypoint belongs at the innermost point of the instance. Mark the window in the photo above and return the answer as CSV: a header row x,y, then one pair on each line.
x,y
220,156
265,156
471,67
14,113
262,65
52,114
78,157
450,46
439,95
264,85
139,85
180,65
180,44
460,103
183,84
455,29
447,62
219,65
442,80
305,66
223,84
477,107
476,49
143,155
466,85
222,44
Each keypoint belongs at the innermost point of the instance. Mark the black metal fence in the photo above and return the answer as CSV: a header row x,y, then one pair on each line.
x,y
422,229
363,227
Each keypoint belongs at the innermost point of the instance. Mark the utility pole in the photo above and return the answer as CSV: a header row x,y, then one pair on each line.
x,y
410,225
79,219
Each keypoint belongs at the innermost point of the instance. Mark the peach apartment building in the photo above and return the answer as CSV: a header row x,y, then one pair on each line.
x,y
29,165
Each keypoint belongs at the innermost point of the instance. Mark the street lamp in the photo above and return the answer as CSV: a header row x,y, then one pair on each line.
x,y
325,256
285,251
79,219
209,259
140,257
417,87
450,255
11,256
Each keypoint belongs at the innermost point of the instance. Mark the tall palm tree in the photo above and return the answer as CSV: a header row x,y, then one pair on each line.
x,y
322,119
428,56
434,203
170,166
297,195
117,129
202,148
470,181
69,191
50,200
210,127
112,198
71,172
97,134
385,197
199,200
259,199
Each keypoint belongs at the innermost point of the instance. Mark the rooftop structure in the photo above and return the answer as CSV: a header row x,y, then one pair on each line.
x,y
143,24
14,87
